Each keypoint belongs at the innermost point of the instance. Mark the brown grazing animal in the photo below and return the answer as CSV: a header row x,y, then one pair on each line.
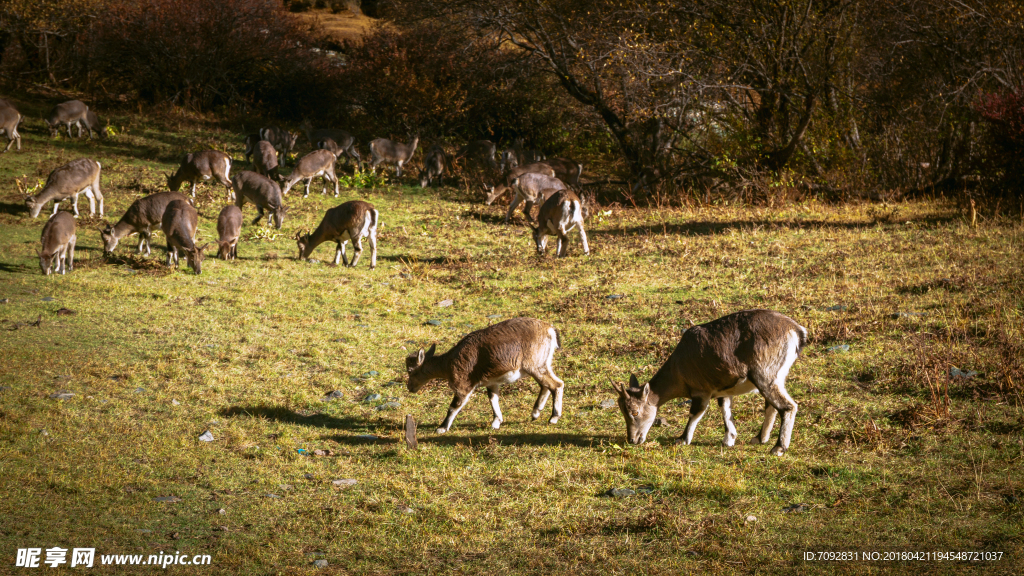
x,y
349,221
229,228
179,224
496,355
736,354
68,181
58,240
141,217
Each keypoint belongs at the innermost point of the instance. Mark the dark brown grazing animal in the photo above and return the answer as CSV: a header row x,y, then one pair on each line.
x,y
200,166
250,144
58,240
343,142
349,221
261,191
264,160
68,181
229,228
736,354
316,163
72,112
559,214
283,141
496,355
565,169
433,166
9,121
528,188
141,217
179,224
388,152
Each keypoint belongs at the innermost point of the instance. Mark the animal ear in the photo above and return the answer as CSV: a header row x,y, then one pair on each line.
x,y
203,247
618,388
430,352
633,382
421,357
646,391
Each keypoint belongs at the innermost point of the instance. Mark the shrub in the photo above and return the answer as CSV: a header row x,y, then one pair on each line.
x,y
1003,114
320,4
337,7
300,6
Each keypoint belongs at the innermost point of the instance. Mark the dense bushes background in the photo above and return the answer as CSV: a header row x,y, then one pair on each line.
x,y
743,99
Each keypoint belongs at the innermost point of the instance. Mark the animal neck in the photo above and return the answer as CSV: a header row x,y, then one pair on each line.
x,y
435,367
663,387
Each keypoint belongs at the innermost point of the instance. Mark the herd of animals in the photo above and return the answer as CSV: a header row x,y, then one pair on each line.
x,y
746,351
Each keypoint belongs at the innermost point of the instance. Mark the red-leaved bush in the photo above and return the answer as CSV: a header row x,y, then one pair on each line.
x,y
1004,117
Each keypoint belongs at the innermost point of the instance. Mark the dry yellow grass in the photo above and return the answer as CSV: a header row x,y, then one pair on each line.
x,y
347,25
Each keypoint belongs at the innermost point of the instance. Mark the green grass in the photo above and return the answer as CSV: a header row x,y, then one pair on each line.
x,y
248,349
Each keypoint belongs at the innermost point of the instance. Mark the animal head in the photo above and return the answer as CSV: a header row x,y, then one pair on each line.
x,y
424,178
52,126
302,240
224,250
173,184
588,205
46,261
639,414
414,366
494,192
306,127
290,140
109,240
279,215
195,257
33,207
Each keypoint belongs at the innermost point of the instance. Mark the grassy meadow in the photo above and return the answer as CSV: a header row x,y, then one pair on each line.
x,y
908,437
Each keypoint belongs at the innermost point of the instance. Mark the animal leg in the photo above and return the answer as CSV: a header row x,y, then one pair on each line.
x,y
583,239
725,403
193,189
563,243
372,239
71,253
357,246
492,393
341,248
785,404
769,422
338,254
458,402
308,182
516,199
698,406
259,216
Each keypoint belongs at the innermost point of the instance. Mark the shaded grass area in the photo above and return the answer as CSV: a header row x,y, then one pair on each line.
x,y
892,450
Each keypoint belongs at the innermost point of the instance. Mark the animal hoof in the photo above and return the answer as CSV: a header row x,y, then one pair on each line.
x,y
681,441
496,424
778,451
535,415
756,440
553,420
441,430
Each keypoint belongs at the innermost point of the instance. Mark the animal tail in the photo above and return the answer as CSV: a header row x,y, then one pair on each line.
x,y
558,338
802,335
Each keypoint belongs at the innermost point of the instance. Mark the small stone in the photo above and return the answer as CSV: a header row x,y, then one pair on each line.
x,y
613,297
965,374
608,403
309,476
445,303
372,397
175,402
5,301
434,322
206,436
49,299
839,348
313,261
143,531
836,308
367,437
392,383
908,315
796,508
362,325
273,496
344,482
286,487
620,492
44,433
751,519
369,374
390,406
661,422
140,390
66,312
171,499
321,563
333,395
221,511
319,452
62,395
405,509
406,276
174,535
645,490
410,432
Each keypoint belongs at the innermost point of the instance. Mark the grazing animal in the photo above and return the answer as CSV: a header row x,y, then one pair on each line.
x,y
525,156
343,142
261,191
68,181
527,188
509,160
349,221
141,217
567,170
316,163
179,225
199,166
535,168
92,123
58,240
480,153
559,214
229,228
494,192
496,355
264,160
250,144
388,152
9,121
433,166
283,141
736,354
72,112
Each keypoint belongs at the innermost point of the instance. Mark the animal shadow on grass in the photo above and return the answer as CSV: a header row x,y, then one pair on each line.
x,y
439,260
14,268
13,208
712,228
516,439
292,417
